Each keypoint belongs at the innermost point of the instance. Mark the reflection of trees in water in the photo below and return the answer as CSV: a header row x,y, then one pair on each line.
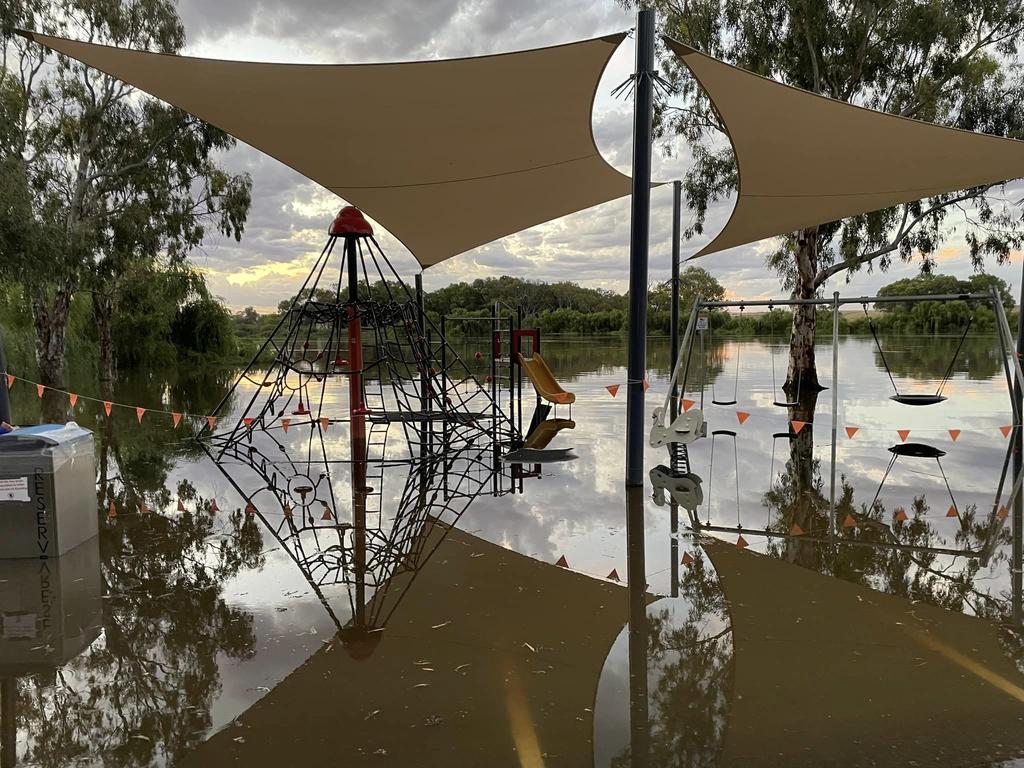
x,y
926,358
798,495
690,673
144,693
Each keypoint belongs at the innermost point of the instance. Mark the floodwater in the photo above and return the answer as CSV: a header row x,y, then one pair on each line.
x,y
286,605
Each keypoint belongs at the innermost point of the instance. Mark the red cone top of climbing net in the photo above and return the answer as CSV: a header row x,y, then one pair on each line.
x,y
350,221
562,562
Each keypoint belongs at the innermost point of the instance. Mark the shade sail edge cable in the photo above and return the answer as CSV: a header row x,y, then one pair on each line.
x,y
447,154
813,159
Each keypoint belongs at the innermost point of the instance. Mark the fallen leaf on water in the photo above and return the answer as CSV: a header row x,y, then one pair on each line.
x,y
532,649
461,667
421,685
375,712
442,624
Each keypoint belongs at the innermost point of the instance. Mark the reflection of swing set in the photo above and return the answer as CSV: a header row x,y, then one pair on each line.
x,y
672,427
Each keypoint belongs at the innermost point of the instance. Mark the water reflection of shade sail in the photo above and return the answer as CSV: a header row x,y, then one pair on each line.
x,y
832,673
493,660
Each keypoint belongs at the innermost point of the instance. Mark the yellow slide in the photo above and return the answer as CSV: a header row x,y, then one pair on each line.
x,y
544,382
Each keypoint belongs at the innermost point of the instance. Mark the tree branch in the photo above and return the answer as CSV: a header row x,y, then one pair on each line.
x,y
904,231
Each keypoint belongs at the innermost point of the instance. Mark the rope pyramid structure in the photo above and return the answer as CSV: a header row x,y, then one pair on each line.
x,y
360,526
364,352
354,387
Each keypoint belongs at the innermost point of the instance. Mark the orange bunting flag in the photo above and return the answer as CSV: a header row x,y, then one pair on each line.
x,y
849,522
901,514
288,511
112,511
742,416
40,389
139,413
741,542
562,562
10,380
285,424
797,426
73,398
954,434
1006,430
176,418
248,420
951,512
212,422
181,505
1003,512
327,514
851,431
687,558
647,385
796,530
613,389
324,422
213,507
614,575
107,406
687,405
250,509
904,434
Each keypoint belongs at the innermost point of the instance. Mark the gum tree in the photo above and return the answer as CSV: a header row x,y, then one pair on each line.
x,y
102,175
952,63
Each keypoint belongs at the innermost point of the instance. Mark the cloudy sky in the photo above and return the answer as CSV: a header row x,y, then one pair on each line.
x,y
289,216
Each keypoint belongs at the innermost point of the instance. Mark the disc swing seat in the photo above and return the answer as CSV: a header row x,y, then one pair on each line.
x,y
780,402
916,451
911,398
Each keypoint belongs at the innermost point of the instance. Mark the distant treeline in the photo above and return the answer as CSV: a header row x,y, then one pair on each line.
x,y
570,309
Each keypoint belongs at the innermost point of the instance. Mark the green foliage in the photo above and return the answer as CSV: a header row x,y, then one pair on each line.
x,y
204,327
100,185
947,62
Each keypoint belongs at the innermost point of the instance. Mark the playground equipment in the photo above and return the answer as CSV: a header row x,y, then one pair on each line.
x,y
367,356
918,399
684,487
917,451
544,381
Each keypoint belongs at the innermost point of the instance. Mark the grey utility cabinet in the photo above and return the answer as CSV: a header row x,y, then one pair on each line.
x,y
47,490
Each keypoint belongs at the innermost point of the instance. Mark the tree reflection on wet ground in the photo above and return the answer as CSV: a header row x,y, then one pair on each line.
x,y
872,628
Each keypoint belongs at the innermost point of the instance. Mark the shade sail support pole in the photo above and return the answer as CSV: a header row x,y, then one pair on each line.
x,y
1017,583
835,412
640,224
677,204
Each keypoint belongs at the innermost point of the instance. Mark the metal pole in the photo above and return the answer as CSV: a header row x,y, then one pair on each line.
x,y
638,634
638,246
677,203
5,398
421,322
1018,444
835,411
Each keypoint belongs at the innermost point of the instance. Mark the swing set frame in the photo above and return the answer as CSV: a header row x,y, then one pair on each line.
x,y
677,383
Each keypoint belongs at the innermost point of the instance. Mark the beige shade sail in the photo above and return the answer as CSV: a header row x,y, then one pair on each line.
x,y
804,159
491,659
447,155
827,672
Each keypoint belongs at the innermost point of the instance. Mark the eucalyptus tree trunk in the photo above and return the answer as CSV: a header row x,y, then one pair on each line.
x,y
806,511
103,313
802,375
50,320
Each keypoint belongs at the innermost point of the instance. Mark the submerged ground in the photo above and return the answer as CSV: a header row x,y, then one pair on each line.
x,y
886,637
